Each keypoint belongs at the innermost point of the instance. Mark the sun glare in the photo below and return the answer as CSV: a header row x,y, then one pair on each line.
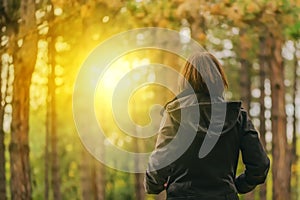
x,y
115,72
110,81
113,75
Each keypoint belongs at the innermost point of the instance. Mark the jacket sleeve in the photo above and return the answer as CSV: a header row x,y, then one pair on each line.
x,y
157,174
254,157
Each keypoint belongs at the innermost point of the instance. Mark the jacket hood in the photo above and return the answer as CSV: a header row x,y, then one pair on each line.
x,y
202,113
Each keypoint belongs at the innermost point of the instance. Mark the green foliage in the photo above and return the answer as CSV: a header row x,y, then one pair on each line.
x,y
119,185
294,31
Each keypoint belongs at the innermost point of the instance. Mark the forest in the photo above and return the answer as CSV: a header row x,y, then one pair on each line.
x,y
49,146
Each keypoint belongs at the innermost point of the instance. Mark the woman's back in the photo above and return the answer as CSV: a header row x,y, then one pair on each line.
x,y
197,153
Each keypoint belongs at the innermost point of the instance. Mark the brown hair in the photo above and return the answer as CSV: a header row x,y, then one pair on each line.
x,y
204,73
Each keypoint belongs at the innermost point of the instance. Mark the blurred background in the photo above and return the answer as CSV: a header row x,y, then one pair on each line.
x,y
44,43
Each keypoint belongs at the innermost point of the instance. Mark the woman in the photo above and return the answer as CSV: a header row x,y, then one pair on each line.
x,y
200,137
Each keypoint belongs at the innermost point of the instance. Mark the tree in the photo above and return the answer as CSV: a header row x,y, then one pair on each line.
x,y
2,145
24,61
139,177
243,49
56,182
294,141
245,81
4,69
262,127
86,176
2,152
294,32
281,154
47,153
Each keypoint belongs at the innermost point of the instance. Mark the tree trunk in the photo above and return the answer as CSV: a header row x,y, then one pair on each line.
x,y
139,187
24,62
294,141
245,83
47,139
139,177
56,182
92,178
2,157
2,136
92,171
86,176
262,127
99,180
2,110
281,155
245,90
245,72
47,157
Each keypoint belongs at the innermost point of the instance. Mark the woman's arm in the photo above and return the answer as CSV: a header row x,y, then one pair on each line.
x,y
254,157
157,176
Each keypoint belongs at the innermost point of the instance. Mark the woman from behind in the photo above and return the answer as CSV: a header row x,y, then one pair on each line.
x,y
200,139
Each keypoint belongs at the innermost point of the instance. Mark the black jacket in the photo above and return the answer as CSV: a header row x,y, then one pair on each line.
x,y
178,165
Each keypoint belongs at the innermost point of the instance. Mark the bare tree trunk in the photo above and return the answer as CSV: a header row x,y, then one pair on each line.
x,y
245,88
47,157
139,177
99,180
245,72
86,176
56,182
262,127
2,135
2,157
2,107
294,141
24,63
92,171
19,147
92,178
139,187
245,83
281,154
47,141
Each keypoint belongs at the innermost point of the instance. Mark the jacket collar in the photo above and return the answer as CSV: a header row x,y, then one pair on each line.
x,y
202,97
